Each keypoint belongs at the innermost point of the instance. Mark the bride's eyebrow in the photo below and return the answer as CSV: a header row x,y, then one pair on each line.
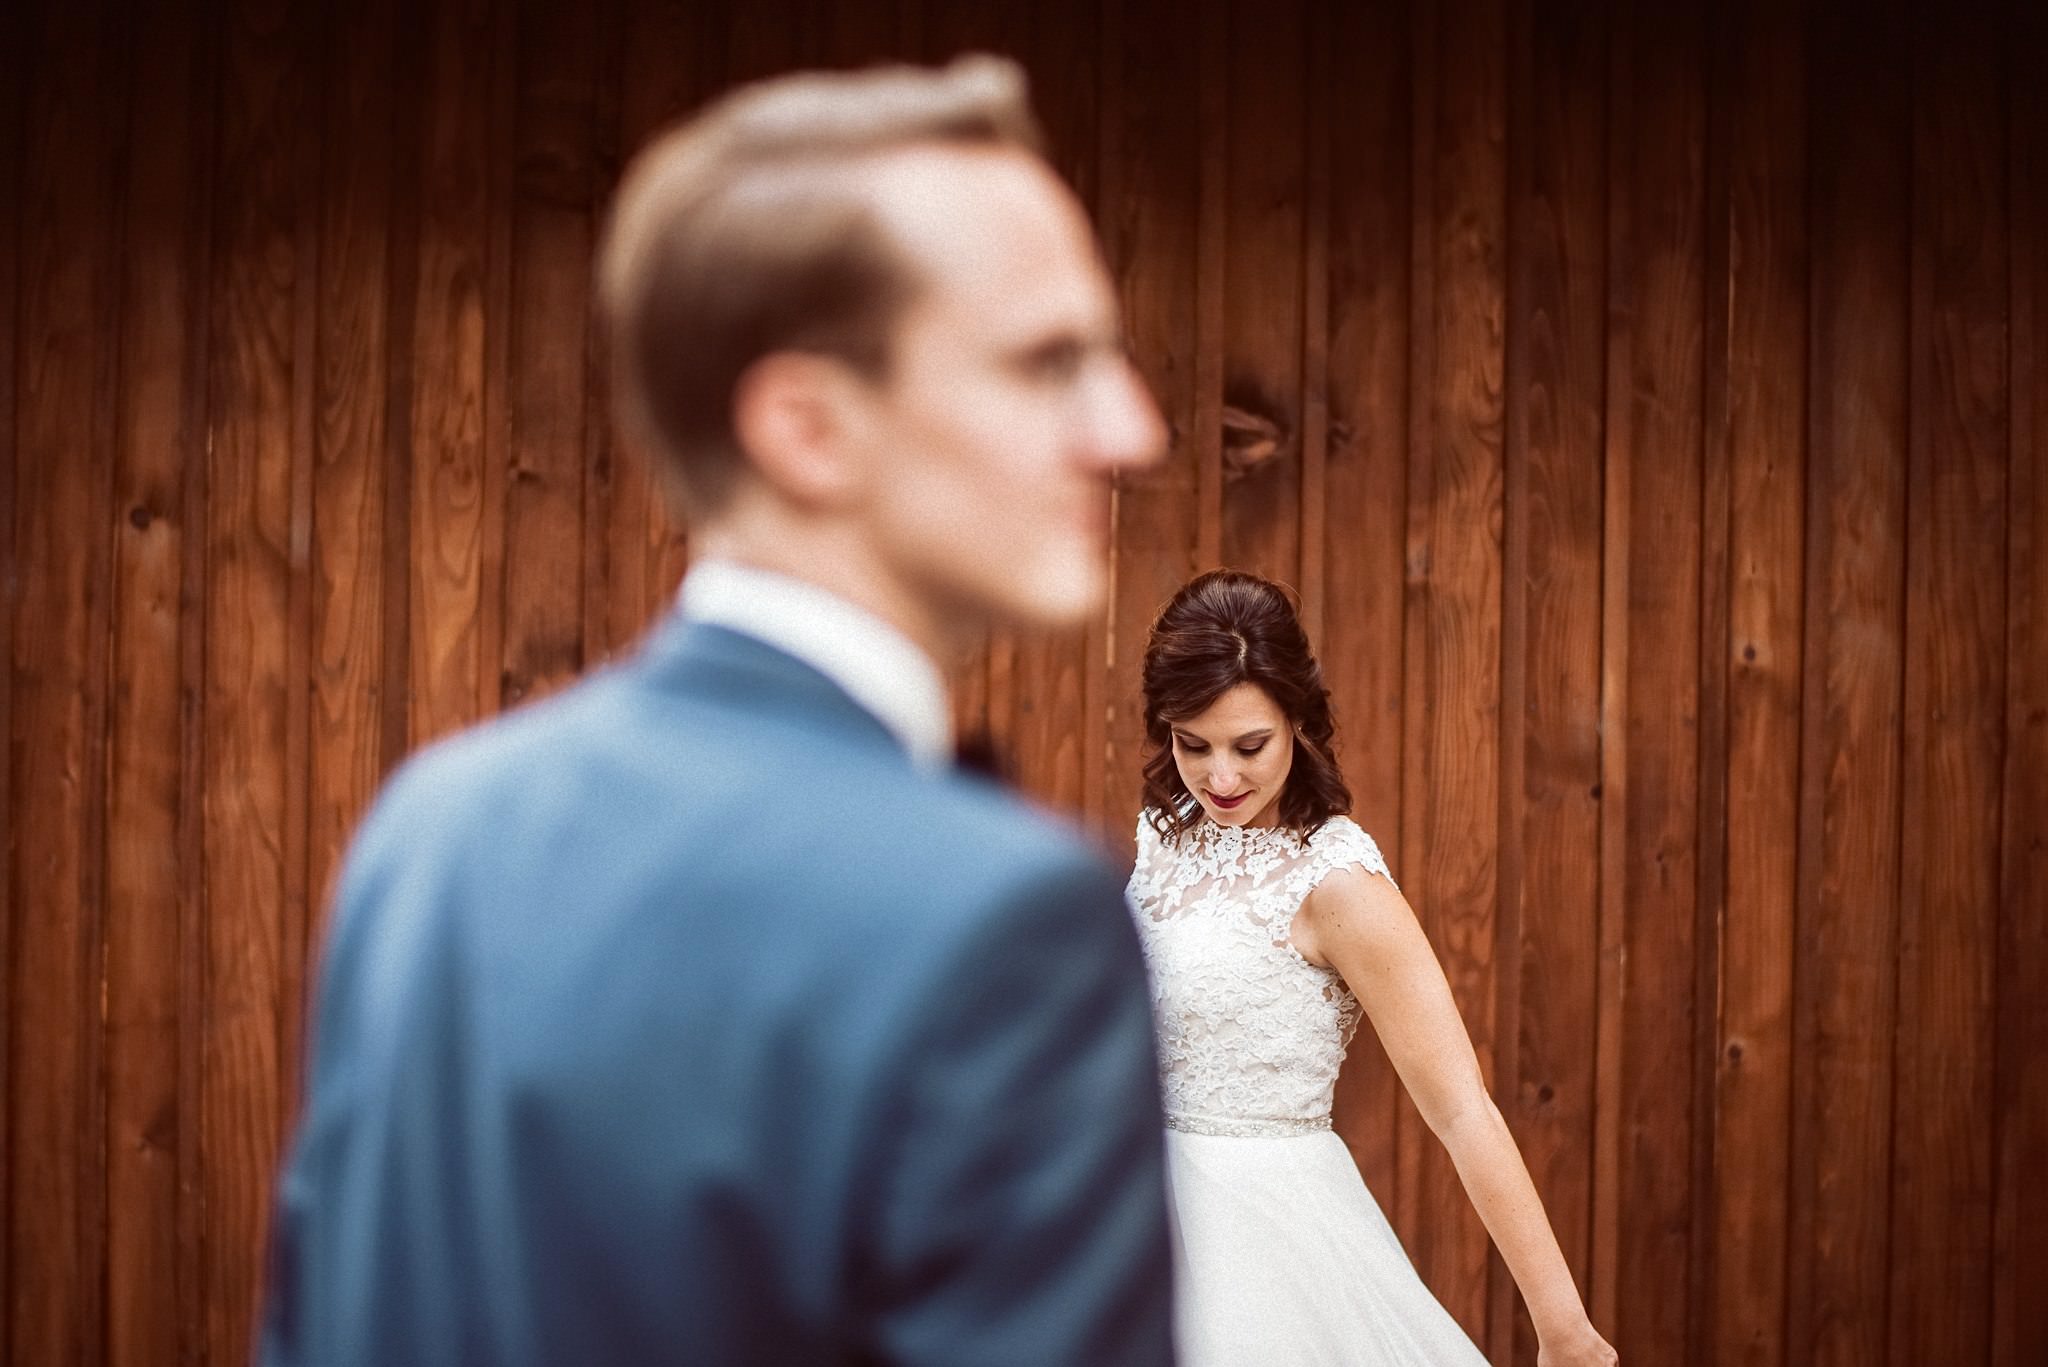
x,y
1261,734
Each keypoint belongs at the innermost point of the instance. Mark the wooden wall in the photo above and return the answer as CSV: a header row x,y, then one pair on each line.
x,y
1658,395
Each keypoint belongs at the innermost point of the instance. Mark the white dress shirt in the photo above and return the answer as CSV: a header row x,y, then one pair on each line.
x,y
878,666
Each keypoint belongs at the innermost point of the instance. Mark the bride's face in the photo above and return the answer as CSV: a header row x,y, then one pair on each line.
x,y
1235,757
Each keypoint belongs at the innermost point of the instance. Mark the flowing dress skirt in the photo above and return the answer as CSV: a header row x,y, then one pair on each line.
x,y
1285,1260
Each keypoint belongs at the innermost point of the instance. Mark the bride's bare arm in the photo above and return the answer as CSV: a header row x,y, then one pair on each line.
x,y
1361,925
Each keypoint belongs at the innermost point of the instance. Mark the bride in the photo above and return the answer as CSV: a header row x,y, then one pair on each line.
x,y
1270,922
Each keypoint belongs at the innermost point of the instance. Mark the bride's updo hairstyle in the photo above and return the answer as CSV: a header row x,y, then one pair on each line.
x,y
1226,628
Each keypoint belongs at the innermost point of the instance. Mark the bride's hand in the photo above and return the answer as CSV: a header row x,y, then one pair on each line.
x,y
1584,1349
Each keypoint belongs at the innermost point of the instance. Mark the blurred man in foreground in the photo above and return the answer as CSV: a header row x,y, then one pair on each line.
x,y
705,1013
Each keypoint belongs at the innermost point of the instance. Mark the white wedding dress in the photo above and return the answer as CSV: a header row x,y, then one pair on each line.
x,y
1283,1258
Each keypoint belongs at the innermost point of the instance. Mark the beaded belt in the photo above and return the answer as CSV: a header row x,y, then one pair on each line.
x,y
1270,1127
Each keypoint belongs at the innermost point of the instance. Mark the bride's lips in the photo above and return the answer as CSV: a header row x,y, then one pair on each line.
x,y
1228,803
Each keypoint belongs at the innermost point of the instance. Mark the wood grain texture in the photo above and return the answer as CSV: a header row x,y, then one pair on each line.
x,y
15,48
1410,1136
351,405
1212,113
259,267
1047,690
600,451
1149,177
402,190
1661,285
1617,482
547,331
1548,932
162,296
67,316
2019,1315
1262,284
665,69
1451,813
1364,501
1954,692
450,323
195,1284
1839,1245
1762,440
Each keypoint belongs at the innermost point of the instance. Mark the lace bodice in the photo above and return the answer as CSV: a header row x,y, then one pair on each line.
x,y
1251,1034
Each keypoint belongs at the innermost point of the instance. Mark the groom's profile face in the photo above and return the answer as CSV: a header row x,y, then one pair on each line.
x,y
1008,403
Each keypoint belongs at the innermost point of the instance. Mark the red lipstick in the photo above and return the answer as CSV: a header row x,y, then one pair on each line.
x,y
1228,803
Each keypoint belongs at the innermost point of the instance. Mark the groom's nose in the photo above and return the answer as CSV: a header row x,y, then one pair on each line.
x,y
1123,425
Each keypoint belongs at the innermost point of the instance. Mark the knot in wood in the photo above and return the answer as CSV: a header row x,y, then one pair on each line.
x,y
1249,440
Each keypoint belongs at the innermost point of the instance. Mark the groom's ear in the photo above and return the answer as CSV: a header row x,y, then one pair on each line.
x,y
798,419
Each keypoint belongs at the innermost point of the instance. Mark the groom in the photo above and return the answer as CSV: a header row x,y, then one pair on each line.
x,y
705,1013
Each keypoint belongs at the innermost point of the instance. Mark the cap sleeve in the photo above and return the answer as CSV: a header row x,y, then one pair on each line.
x,y
1341,844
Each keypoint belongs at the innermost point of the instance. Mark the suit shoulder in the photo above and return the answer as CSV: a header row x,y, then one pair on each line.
x,y
981,825
982,858
495,774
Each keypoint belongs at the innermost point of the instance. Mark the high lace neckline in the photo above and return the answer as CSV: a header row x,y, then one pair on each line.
x,y
1211,834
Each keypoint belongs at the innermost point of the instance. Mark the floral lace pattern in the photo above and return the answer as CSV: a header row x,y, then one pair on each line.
x,y
1251,1034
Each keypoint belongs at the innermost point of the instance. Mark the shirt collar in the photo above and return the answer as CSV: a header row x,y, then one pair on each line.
x,y
878,666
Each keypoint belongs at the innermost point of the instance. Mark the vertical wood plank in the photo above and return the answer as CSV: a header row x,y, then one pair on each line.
x,y
1452,809
1710,804
501,273
1763,443
259,268
351,405
1262,294
15,49
1664,290
68,307
600,450
664,71
1839,1246
1550,709
1047,691
412,45
1213,112
450,323
305,42
769,39
856,36
2019,1319
1423,35
1617,483
195,1282
163,302
547,340
1365,480
1942,1153
1150,175
1312,503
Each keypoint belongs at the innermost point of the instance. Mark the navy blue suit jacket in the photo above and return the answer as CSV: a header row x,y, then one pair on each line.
x,y
680,1019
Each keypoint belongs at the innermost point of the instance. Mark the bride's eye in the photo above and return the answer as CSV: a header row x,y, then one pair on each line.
x,y
1249,750
1192,747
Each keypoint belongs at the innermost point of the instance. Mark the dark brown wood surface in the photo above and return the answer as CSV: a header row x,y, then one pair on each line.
x,y
1647,402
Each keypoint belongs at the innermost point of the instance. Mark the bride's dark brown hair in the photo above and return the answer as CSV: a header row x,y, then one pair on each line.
x,y
1222,629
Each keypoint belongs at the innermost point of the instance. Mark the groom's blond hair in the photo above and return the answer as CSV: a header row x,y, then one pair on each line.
x,y
751,229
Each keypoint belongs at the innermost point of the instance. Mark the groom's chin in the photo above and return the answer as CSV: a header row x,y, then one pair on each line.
x,y
1062,592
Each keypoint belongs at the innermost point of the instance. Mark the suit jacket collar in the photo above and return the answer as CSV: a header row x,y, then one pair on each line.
x,y
872,661
700,656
